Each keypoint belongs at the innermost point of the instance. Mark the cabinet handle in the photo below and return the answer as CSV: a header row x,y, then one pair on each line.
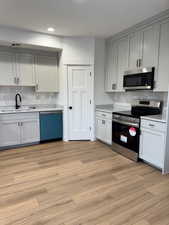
x,y
140,62
19,124
18,81
113,86
15,80
36,87
151,125
137,63
103,121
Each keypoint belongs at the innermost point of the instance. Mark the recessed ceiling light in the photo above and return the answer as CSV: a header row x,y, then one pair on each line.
x,y
51,29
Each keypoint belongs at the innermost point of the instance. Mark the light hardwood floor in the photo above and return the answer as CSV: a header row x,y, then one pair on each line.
x,y
79,183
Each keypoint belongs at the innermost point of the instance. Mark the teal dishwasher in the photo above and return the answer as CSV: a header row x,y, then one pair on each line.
x,y
51,126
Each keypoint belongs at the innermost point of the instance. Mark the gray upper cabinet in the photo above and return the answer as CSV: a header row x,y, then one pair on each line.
x,y
16,69
46,71
123,56
150,50
117,53
163,71
144,46
7,69
111,66
147,47
25,69
135,50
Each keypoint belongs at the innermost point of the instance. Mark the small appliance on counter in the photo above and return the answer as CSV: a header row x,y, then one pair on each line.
x,y
126,127
140,79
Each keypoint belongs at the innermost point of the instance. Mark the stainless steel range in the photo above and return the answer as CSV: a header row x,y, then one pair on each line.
x,y
126,127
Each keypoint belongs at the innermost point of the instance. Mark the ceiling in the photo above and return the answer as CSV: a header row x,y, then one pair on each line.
x,y
100,18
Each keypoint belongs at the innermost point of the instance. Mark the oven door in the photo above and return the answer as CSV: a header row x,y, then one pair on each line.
x,y
126,136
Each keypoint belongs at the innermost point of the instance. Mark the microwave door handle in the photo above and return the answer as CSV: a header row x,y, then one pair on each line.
x,y
137,63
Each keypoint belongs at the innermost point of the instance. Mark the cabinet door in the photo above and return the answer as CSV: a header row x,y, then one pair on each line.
x,y
111,66
151,37
163,71
101,129
7,69
123,55
25,70
30,131
46,74
109,132
10,133
152,146
135,52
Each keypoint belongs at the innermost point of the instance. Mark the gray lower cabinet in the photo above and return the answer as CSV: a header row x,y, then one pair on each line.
x,y
19,128
152,142
104,127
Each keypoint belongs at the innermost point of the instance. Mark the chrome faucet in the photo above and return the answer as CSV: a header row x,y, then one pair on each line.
x,y
18,101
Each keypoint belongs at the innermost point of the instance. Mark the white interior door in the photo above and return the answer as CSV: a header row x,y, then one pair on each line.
x,y
79,98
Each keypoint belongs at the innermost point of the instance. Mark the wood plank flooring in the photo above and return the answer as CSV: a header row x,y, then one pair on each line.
x,y
79,183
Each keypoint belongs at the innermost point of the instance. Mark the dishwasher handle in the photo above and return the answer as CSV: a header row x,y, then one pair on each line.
x,y
50,112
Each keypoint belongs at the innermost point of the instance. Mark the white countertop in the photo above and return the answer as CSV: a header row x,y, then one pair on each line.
x,y
28,109
122,107
113,107
158,118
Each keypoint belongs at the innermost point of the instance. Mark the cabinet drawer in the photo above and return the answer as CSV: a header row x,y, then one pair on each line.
x,y
19,116
156,126
104,115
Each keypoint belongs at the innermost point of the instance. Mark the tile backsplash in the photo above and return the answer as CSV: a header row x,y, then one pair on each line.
x,y
128,97
29,96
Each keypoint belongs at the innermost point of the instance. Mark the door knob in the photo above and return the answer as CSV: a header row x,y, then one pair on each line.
x,y
70,107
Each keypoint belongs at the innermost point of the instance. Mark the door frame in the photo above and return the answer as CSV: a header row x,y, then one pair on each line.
x,y
66,110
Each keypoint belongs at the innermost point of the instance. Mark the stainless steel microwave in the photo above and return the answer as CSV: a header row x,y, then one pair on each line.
x,y
140,79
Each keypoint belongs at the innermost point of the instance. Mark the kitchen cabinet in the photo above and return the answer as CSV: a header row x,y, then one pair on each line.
x,y
135,49
162,83
29,131
25,70
123,56
46,74
152,142
16,69
104,126
150,51
20,128
111,66
7,69
144,46
10,133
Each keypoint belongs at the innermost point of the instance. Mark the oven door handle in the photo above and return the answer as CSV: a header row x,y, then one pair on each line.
x,y
126,123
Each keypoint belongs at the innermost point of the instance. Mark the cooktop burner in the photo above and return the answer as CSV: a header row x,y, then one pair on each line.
x,y
127,113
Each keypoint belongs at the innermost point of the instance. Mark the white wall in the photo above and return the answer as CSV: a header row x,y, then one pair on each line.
x,y
78,51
